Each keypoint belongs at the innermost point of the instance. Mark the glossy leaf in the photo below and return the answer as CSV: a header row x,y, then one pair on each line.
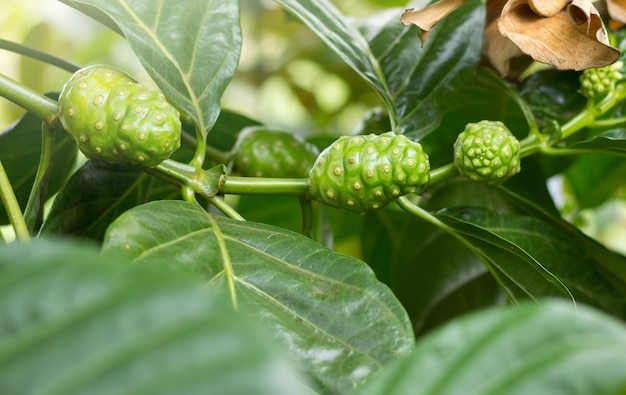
x,y
610,142
96,194
419,78
327,307
410,79
541,260
434,276
189,48
74,322
20,151
549,348
610,265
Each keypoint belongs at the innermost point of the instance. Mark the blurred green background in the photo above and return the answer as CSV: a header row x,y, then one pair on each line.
x,y
286,79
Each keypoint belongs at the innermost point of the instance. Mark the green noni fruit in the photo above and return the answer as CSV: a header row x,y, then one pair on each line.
x,y
367,172
597,82
260,152
487,152
112,117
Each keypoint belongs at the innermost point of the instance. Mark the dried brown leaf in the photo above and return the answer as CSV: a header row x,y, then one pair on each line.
x,y
426,18
573,39
547,8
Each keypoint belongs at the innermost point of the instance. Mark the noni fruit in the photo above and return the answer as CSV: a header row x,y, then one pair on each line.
x,y
487,152
112,117
367,172
261,152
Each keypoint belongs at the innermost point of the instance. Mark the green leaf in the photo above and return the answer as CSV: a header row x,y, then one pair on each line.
x,y
434,276
409,78
20,152
420,77
549,348
592,179
96,194
535,256
327,307
74,322
610,265
484,97
325,20
610,142
189,48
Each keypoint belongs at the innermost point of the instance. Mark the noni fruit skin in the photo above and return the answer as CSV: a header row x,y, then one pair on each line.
x,y
367,172
487,152
261,152
111,117
597,82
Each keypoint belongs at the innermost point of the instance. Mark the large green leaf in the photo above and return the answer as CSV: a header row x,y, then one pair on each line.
x,y
189,48
20,152
96,194
610,264
328,307
410,79
535,256
549,348
434,276
73,322
420,77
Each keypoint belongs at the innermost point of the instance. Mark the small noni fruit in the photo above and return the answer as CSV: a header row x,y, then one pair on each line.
x,y
487,152
597,82
112,117
367,172
260,152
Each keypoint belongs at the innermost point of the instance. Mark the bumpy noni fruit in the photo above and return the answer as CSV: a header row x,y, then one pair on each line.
x,y
260,152
597,82
367,172
487,152
114,118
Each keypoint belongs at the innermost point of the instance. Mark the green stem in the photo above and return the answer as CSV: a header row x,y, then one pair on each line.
x,y
41,106
213,153
265,186
39,55
12,207
619,122
307,216
200,154
226,208
37,197
442,173
592,111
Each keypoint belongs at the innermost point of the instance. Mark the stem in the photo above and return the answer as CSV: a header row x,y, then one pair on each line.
x,y
307,216
213,153
39,55
41,106
265,186
442,173
200,154
226,208
592,111
12,207
36,199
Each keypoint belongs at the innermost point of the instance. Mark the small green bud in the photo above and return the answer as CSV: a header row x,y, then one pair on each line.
x,y
366,172
487,152
598,82
112,117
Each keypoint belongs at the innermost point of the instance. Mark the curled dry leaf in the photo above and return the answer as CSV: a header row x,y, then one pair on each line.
x,y
427,17
573,39
547,8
